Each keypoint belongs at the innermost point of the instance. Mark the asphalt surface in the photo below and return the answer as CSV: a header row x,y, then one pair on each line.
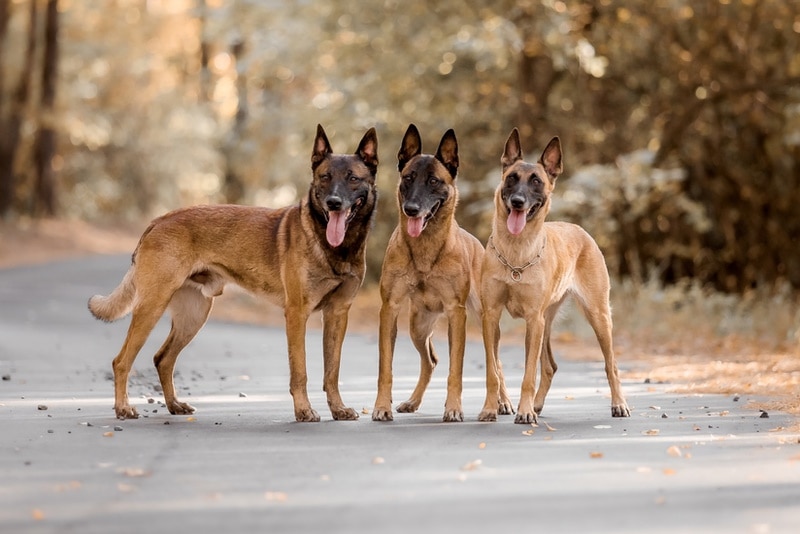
x,y
241,464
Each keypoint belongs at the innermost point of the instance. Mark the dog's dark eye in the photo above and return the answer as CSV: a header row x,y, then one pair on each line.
x,y
353,178
434,181
325,177
407,178
512,178
536,181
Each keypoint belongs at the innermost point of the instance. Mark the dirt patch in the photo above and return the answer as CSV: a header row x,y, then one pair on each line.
x,y
693,362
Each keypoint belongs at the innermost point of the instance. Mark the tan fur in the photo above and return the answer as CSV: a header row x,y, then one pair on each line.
x,y
569,262
185,258
437,273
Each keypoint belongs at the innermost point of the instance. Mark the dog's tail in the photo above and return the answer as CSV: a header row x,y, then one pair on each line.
x,y
119,303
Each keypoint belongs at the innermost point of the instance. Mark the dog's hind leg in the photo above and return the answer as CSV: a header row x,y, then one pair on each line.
x,y
146,314
598,313
189,309
421,330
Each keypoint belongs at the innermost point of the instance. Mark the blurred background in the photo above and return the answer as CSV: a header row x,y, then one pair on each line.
x,y
680,122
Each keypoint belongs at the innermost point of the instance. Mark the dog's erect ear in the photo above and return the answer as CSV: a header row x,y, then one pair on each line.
x,y
448,152
512,152
410,147
368,149
551,158
322,147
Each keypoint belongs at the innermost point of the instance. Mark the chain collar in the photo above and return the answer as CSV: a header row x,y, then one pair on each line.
x,y
516,272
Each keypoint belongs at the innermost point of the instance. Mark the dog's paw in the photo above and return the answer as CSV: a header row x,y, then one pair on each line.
x,y
382,414
306,416
505,408
526,418
488,416
126,412
344,414
409,406
453,416
620,410
176,407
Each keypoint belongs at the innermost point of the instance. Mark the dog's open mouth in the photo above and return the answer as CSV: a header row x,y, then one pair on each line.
x,y
517,219
417,224
338,221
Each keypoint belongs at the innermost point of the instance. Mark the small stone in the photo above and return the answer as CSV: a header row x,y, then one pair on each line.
x,y
6,378
664,415
764,415
50,431
151,400
118,428
646,380
242,395
41,407
736,398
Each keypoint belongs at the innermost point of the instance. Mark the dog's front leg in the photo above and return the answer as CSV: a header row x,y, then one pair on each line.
x,y
534,332
296,318
334,326
490,318
387,336
457,335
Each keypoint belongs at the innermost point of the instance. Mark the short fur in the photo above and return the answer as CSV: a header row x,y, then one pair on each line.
x,y
291,255
434,264
529,268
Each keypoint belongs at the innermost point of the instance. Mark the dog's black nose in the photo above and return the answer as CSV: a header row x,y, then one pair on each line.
x,y
333,203
517,202
411,209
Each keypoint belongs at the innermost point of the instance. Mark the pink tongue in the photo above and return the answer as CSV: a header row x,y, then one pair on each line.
x,y
516,221
415,225
336,227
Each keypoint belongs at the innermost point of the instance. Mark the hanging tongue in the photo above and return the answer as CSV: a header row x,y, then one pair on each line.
x,y
516,221
415,225
336,227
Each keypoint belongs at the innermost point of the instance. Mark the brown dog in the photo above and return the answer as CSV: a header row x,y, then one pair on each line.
x,y
434,264
305,258
529,268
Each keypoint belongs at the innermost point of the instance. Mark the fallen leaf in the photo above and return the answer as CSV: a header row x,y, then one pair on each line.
x,y
275,496
108,434
133,472
378,460
527,432
674,451
668,471
125,488
777,429
595,454
569,398
481,445
364,411
471,466
549,428
37,514
655,407
651,432
191,419
643,469
696,428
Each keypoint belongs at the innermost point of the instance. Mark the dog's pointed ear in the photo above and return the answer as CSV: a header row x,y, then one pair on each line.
x,y
322,147
447,152
410,147
368,150
551,158
512,151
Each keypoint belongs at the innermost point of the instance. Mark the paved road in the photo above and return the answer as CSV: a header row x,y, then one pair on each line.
x,y
241,464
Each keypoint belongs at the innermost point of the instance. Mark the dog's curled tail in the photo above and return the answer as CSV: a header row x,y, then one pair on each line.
x,y
118,304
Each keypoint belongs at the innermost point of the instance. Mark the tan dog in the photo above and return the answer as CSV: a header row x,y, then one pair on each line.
x,y
305,257
434,264
529,268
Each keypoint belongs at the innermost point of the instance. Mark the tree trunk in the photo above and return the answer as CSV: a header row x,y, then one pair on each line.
x,y
9,141
233,187
45,190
